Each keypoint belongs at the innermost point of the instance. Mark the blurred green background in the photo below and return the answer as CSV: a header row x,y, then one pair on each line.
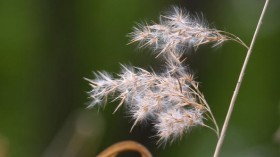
x,y
47,47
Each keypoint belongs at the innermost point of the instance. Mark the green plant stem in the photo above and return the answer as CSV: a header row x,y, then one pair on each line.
x,y
240,79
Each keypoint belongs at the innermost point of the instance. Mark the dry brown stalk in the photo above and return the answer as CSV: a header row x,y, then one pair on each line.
x,y
125,146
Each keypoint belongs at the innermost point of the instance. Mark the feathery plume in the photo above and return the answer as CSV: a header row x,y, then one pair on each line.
x,y
171,100
178,31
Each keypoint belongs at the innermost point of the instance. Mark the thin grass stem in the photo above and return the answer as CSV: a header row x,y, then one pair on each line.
x,y
240,79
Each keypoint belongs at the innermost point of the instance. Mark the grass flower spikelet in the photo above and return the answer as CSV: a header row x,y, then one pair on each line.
x,y
166,99
170,99
178,31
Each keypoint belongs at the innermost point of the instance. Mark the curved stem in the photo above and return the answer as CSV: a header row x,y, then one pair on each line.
x,y
236,91
200,96
233,37
125,146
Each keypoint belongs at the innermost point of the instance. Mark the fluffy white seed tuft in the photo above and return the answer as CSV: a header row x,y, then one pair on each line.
x,y
173,123
171,99
178,31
